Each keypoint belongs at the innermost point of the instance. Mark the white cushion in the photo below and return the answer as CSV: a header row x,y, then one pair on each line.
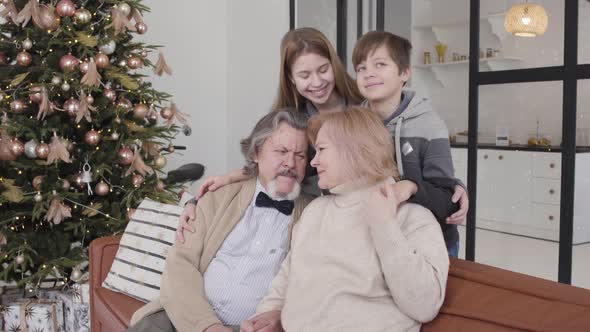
x,y
139,263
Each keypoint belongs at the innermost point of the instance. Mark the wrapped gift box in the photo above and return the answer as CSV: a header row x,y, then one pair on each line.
x,y
76,314
81,293
33,315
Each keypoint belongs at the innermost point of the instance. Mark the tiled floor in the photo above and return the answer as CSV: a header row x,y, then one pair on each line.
x,y
535,257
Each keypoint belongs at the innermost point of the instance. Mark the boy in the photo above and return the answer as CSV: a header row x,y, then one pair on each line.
x,y
423,154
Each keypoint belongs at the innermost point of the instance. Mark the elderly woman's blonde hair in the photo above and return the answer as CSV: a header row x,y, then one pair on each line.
x,y
361,139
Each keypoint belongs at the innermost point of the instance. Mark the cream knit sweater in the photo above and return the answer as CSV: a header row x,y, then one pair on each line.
x,y
353,268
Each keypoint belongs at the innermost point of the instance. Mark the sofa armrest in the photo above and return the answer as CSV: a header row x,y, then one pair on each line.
x,y
101,256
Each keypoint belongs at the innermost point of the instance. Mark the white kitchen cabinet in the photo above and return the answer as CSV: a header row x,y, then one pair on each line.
x,y
519,192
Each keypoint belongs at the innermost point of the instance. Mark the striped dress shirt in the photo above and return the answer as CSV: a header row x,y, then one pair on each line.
x,y
241,272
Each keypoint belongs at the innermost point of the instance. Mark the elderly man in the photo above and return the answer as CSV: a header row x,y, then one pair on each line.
x,y
215,279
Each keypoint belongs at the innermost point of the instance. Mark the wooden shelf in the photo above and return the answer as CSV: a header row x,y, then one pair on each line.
x,y
453,63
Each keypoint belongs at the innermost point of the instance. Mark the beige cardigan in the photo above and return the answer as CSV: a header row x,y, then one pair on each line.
x,y
181,290
353,268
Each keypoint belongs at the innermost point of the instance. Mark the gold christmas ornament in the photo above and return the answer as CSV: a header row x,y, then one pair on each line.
x,y
101,189
17,106
141,28
134,62
160,186
84,67
137,180
110,94
72,106
125,155
36,183
124,103
42,150
47,19
17,148
65,8
24,58
140,111
92,137
526,20
160,162
79,180
68,62
82,16
102,60
124,8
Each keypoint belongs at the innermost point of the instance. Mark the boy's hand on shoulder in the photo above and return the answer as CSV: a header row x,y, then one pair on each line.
x,y
460,196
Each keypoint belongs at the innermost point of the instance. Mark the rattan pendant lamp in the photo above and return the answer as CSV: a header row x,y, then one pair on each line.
x,y
526,20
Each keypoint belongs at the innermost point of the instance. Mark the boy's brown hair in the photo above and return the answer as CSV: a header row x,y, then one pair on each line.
x,y
399,48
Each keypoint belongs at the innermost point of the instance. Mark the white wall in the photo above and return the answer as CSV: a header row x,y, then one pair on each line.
x,y
225,57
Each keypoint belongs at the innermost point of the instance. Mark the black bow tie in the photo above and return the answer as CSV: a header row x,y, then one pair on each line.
x,y
285,207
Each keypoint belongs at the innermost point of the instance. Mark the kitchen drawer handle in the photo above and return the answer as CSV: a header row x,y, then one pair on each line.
x,y
500,157
551,218
552,165
551,191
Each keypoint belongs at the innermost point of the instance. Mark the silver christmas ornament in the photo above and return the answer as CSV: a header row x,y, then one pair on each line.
x,y
30,149
20,259
56,80
27,44
38,197
76,275
108,48
65,86
115,135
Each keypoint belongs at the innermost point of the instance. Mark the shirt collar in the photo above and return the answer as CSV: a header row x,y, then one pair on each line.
x,y
259,188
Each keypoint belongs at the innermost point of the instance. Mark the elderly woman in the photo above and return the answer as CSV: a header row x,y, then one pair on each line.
x,y
358,261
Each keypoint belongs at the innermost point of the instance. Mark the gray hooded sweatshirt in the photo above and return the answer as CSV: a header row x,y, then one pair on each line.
x,y
423,155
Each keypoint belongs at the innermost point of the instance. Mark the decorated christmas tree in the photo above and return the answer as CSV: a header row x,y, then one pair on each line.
x,y
82,142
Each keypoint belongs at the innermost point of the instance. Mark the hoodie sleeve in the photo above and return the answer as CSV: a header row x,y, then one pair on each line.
x,y
435,195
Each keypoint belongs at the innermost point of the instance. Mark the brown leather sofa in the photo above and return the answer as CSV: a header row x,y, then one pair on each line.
x,y
478,298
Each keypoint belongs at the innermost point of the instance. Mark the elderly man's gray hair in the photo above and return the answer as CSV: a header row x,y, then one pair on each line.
x,y
264,129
